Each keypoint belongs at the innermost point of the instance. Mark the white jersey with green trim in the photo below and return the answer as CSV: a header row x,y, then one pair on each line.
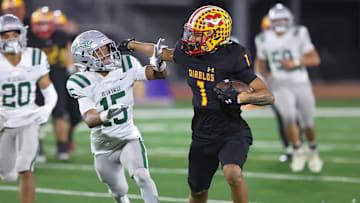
x,y
94,91
291,45
18,85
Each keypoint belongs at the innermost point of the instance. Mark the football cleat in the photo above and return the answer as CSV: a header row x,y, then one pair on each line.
x,y
298,160
315,164
63,156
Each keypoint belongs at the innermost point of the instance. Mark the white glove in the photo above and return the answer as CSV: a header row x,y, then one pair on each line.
x,y
156,59
114,110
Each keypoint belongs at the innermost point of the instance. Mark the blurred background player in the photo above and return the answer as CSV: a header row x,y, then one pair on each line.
x,y
15,7
21,68
104,90
55,44
265,25
63,24
288,50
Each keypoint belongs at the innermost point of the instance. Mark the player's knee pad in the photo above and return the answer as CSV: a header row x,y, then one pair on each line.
x,y
142,176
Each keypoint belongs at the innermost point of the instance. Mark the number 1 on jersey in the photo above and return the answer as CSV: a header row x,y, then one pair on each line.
x,y
204,99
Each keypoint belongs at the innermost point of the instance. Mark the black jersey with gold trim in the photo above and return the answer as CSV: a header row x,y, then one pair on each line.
x,y
205,71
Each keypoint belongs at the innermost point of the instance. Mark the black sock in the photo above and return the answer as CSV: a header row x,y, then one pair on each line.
x,y
62,147
312,145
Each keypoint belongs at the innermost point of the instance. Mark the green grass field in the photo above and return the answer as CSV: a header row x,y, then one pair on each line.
x,y
167,136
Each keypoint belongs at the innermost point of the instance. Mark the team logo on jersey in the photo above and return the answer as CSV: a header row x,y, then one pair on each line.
x,y
212,70
214,20
111,91
202,75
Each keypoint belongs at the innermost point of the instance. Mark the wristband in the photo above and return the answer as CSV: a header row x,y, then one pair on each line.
x,y
238,98
103,116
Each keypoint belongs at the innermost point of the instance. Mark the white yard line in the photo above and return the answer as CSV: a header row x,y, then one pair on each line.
x,y
183,171
98,194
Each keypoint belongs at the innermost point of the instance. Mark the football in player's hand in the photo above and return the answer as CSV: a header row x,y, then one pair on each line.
x,y
239,86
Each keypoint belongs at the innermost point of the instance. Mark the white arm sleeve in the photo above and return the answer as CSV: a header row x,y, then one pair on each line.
x,y
85,104
259,41
50,97
139,70
306,44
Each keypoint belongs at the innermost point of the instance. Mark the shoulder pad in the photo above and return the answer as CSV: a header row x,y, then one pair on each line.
x,y
36,56
128,62
260,37
77,84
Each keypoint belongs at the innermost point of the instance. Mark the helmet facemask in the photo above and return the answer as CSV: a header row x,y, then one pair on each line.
x,y
106,57
194,42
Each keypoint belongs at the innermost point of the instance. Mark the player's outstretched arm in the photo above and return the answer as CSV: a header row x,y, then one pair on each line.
x,y
261,94
148,48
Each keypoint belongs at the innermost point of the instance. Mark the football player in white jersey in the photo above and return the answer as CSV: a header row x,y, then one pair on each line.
x,y
288,50
104,90
21,68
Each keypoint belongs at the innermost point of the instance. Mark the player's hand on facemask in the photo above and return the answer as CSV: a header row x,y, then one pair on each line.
x,y
156,59
114,110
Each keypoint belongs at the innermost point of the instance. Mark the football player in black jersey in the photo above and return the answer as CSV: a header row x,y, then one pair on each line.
x,y
219,134
56,44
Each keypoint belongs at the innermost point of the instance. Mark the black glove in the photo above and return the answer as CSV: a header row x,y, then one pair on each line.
x,y
228,96
123,46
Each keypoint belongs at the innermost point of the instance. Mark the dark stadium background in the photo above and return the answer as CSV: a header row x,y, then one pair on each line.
x,y
333,24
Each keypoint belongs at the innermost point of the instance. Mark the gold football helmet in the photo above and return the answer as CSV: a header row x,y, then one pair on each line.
x,y
207,29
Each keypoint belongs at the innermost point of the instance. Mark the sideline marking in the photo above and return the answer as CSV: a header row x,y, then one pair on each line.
x,y
99,194
183,171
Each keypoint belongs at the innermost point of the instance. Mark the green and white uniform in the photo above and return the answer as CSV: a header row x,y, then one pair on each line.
x,y
95,91
292,88
19,138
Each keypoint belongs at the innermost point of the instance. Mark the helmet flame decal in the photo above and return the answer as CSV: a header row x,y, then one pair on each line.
x,y
213,20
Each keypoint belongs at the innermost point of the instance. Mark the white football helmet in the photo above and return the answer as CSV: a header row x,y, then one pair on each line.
x,y
10,22
88,53
279,12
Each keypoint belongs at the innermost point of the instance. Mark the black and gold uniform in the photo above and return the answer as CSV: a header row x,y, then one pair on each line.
x,y
219,134
55,49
